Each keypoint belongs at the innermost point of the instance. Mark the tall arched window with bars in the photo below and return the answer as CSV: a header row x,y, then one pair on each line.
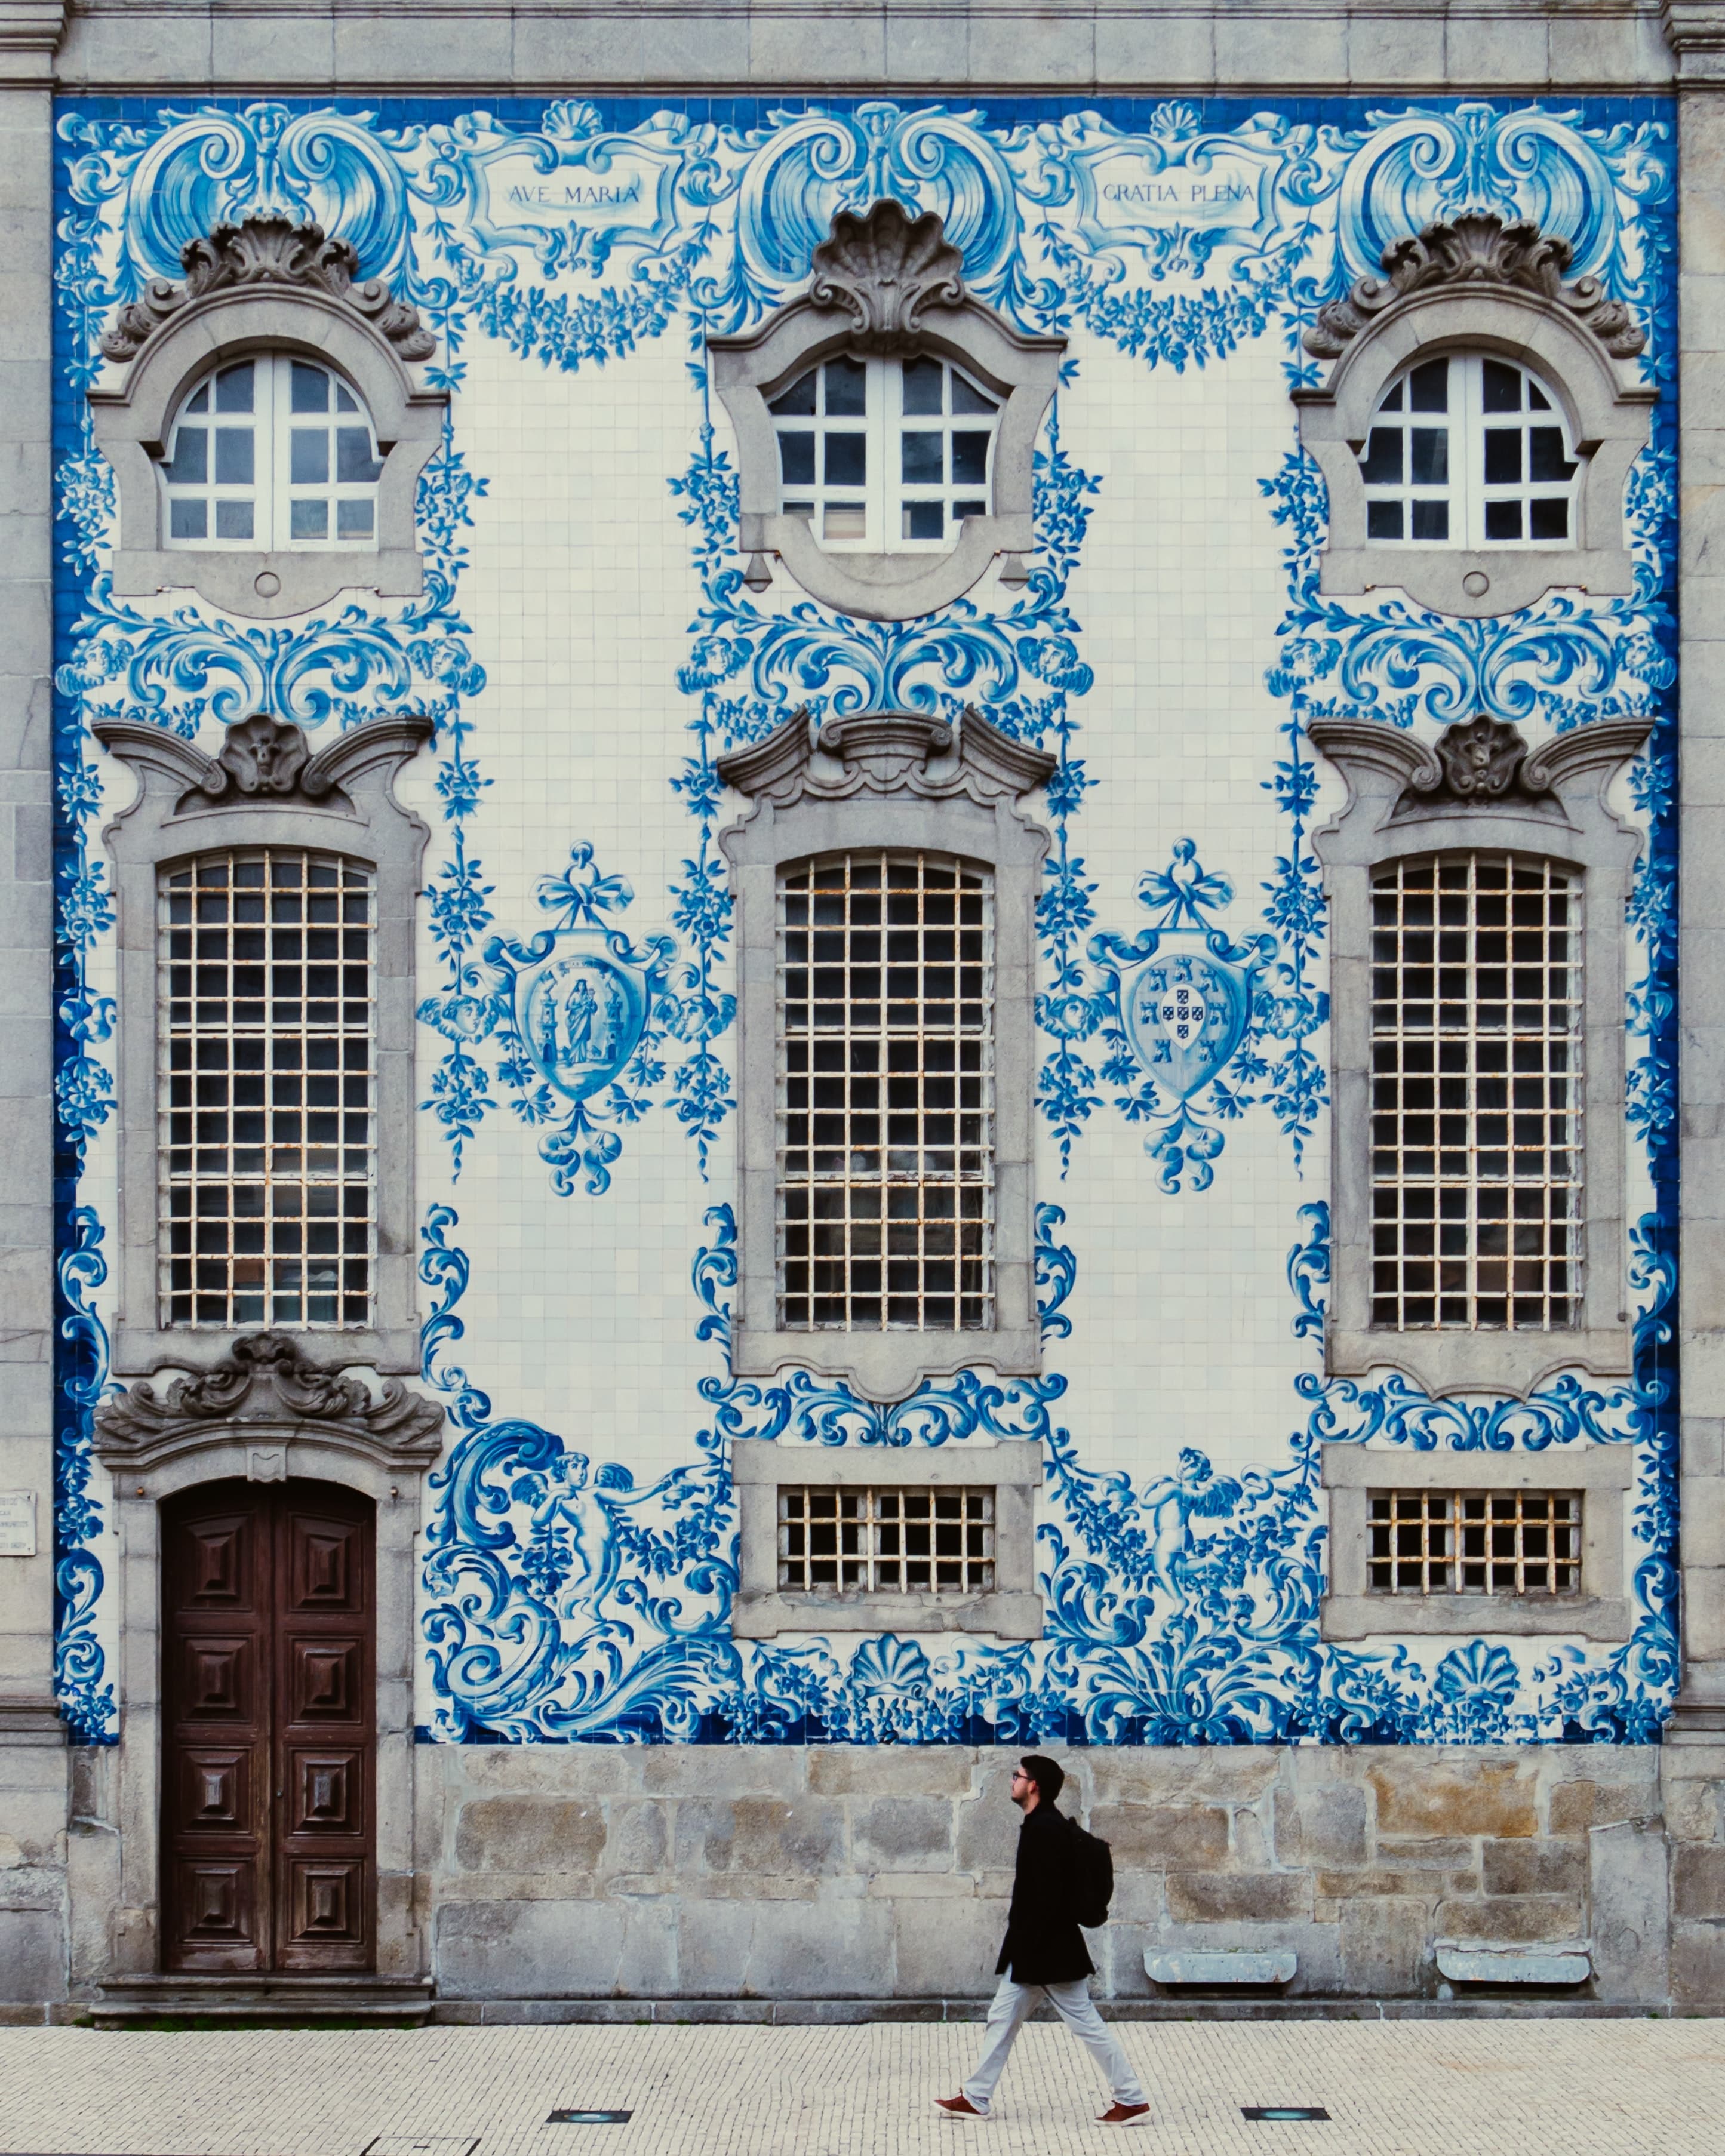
x,y
886,1199
1477,1044
267,1159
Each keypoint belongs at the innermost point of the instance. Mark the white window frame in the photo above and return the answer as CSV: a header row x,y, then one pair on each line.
x,y
1475,286
885,496
886,287
273,492
1012,1468
1465,492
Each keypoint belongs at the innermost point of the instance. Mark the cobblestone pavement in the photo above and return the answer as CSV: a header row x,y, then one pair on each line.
x,y
1432,2088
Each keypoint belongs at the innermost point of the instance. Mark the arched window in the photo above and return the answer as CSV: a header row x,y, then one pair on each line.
x,y
886,424
885,455
886,1124
272,452
1478,889
1469,451
268,1160
1476,1093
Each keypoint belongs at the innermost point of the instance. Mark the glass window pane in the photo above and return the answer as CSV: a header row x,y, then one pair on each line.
x,y
1546,460
923,381
234,455
1430,520
310,388
233,389
310,520
234,520
798,401
1429,387
846,460
309,459
353,519
970,459
796,458
1503,456
923,458
187,519
966,398
1430,460
354,465
1383,463
190,466
1503,520
1500,386
846,388
924,519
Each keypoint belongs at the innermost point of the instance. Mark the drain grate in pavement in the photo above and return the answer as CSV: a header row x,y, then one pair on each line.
x,y
1275,2113
421,2145
589,2119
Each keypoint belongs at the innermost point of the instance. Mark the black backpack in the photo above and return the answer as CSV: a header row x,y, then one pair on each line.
x,y
1092,1877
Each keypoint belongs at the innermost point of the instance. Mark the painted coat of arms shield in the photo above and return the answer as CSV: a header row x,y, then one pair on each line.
x,y
1185,1009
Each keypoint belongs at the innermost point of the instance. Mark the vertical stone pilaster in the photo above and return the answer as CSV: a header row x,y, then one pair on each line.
x,y
32,1758
1695,1740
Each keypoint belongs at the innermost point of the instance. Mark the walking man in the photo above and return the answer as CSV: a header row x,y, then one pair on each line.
x,y
1043,1956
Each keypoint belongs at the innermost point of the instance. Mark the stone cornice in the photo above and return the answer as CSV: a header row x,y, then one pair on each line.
x,y
908,753
29,33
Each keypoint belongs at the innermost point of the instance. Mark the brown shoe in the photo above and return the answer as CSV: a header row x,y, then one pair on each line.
x,y
960,2106
1124,2114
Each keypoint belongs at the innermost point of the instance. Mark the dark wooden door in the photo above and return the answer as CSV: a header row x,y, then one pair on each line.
x,y
268,1690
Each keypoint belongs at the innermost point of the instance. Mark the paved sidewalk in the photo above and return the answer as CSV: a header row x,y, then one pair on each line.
x,y
1430,2088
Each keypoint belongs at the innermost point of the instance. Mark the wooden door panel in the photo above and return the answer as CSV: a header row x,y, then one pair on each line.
x,y
324,1679
325,1687
269,1662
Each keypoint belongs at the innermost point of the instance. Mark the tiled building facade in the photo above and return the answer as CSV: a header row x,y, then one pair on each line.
x,y
851,925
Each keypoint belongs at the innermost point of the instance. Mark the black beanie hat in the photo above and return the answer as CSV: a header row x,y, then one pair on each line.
x,y
1049,1776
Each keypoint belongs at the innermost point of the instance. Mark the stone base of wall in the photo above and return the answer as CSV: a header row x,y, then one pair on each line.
x,y
848,1883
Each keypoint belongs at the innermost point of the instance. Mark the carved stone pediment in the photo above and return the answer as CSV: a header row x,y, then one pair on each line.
x,y
1475,249
885,267
267,1386
264,761
1482,765
882,752
259,252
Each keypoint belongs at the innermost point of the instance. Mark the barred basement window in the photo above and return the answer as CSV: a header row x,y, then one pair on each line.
x,y
886,1171
1476,1076
887,1540
267,1142
1473,1541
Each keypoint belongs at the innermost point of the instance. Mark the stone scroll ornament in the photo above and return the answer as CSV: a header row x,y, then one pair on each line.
x,y
1477,248
267,1386
260,251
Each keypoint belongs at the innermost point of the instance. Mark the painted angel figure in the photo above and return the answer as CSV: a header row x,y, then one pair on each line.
x,y
1195,1491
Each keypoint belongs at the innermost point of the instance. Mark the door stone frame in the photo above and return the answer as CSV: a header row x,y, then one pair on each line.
x,y
157,1448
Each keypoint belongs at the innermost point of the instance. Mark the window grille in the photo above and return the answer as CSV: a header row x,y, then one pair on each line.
x,y
268,985
884,454
887,1540
885,1154
1477,1056
1473,1541
272,452
1469,451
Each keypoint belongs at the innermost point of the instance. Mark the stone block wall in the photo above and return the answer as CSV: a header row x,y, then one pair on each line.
x,y
880,1877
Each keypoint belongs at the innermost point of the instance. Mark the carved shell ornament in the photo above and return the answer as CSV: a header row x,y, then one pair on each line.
x,y
261,251
1474,249
885,268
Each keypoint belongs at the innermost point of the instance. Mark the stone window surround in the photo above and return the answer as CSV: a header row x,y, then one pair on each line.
x,y
1610,421
132,423
1399,805
1012,1468
342,802
1603,1474
850,311
888,779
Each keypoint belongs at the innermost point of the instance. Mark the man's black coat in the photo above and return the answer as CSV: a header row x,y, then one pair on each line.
x,y
1044,1944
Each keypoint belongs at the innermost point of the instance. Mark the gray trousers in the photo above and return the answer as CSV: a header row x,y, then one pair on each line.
x,y
1013,2004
